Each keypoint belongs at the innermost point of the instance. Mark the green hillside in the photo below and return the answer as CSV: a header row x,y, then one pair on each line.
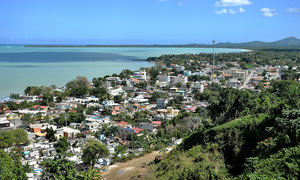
x,y
255,146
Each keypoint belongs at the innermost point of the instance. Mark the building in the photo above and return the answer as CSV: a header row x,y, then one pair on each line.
x,y
67,132
179,79
140,75
146,126
161,103
4,123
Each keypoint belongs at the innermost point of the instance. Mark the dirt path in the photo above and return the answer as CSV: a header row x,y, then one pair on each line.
x,y
134,167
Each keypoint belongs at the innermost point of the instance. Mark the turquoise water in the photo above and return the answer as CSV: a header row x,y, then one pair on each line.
x,y
35,66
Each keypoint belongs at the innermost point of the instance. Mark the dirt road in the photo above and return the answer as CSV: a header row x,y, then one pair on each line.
x,y
125,170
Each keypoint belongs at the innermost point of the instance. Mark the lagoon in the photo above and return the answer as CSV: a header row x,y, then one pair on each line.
x,y
36,66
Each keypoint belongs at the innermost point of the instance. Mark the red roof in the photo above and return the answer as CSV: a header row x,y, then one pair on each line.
x,y
117,108
137,130
156,122
43,107
123,123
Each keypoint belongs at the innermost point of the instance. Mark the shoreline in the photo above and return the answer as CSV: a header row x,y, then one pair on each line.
x,y
49,72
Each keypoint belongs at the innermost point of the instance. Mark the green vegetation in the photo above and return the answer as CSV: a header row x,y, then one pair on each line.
x,y
92,151
282,165
247,135
196,163
78,87
11,166
14,137
58,168
272,56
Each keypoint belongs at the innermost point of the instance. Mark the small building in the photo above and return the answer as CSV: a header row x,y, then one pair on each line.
x,y
4,123
161,103
140,75
146,126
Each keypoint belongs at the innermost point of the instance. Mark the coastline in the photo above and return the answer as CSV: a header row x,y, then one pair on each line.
x,y
58,70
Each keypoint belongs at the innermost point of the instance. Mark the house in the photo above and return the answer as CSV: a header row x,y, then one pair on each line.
x,y
163,78
156,123
198,86
113,78
93,105
91,126
109,103
40,108
62,106
187,73
146,126
67,132
139,99
133,81
169,112
179,79
116,91
137,131
172,112
234,83
2,117
122,123
92,98
140,75
4,123
124,130
35,127
30,98
161,103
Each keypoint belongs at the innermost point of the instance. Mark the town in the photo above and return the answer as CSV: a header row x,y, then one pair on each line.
x,y
131,114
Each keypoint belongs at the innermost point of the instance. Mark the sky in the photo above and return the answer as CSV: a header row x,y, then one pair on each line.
x,y
146,21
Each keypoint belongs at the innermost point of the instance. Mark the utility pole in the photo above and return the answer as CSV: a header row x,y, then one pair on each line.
x,y
213,68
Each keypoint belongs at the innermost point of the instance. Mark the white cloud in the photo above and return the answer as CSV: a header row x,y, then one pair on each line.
x,y
242,10
294,10
233,2
180,3
269,12
230,11
223,11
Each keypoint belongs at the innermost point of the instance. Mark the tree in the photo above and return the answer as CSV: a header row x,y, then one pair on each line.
x,y
121,149
118,98
89,174
14,96
78,87
92,151
47,100
157,95
13,137
141,85
100,92
50,134
11,166
153,73
27,119
58,168
62,146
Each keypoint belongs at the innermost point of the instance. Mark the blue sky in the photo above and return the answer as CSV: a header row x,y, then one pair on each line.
x,y
146,21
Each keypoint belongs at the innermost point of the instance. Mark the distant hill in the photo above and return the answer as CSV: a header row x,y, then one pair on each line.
x,y
287,42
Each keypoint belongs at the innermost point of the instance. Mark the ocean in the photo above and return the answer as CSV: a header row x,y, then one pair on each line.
x,y
43,66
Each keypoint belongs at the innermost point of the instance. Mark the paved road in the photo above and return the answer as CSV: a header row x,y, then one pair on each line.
x,y
247,80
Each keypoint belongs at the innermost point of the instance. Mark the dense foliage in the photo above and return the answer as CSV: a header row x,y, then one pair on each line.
x,y
256,136
11,166
14,137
